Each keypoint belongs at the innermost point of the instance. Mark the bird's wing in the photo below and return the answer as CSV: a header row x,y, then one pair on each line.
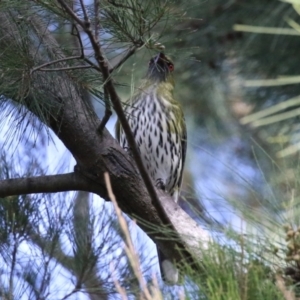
x,y
118,130
183,149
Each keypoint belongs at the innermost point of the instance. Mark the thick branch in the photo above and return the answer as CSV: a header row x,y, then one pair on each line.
x,y
114,97
45,184
75,124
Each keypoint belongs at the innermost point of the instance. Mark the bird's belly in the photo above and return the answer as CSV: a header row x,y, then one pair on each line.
x,y
159,148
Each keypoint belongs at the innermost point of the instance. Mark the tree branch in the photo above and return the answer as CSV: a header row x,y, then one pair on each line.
x,y
75,124
108,111
97,18
66,68
54,62
44,184
114,97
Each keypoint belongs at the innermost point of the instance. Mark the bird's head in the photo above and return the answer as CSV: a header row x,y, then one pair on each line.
x,y
160,68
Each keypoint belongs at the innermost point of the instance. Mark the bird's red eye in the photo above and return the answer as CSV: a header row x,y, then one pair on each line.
x,y
171,67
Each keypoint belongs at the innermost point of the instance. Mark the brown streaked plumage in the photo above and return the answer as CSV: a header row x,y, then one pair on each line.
x,y
158,125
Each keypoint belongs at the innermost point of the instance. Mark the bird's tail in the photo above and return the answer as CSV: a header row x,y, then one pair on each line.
x,y
169,272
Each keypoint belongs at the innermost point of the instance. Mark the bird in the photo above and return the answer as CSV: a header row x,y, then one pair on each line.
x,y
158,125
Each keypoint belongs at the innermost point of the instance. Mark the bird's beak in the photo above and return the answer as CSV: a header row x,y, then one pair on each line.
x,y
158,57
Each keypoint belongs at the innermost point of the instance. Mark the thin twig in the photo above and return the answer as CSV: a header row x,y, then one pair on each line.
x,y
54,62
97,17
75,290
107,113
92,64
12,268
120,290
45,279
121,28
85,15
77,34
129,247
66,68
71,13
128,54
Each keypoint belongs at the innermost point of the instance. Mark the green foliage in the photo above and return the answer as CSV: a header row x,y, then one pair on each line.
x,y
280,118
133,21
232,274
40,47
44,237
212,62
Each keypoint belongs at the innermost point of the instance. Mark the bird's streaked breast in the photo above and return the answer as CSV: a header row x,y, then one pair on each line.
x,y
157,133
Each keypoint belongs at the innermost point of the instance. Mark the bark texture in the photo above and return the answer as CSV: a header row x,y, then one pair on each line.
x,y
75,123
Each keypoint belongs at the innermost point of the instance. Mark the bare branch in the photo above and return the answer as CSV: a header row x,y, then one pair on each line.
x,y
92,64
107,113
44,184
78,36
72,14
75,290
86,18
12,267
66,68
54,62
97,17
